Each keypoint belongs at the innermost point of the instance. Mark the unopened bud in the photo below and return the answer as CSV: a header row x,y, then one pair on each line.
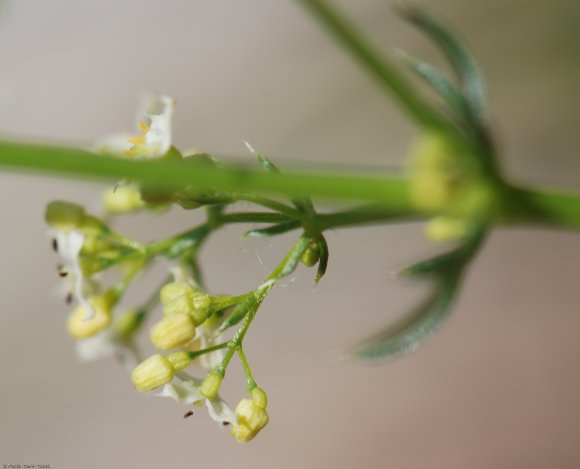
x,y
180,305
260,397
211,386
170,291
122,199
311,255
251,418
172,331
442,229
64,216
83,323
152,373
200,303
179,360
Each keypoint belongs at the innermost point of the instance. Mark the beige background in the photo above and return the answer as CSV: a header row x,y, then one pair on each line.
x,y
498,387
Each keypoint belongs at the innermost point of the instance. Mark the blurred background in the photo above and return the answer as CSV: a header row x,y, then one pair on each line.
x,y
498,387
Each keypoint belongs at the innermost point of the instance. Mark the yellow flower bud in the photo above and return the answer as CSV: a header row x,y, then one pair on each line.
x,y
200,307
64,216
172,331
179,305
260,397
81,325
152,373
436,169
210,386
441,229
251,418
179,360
171,291
311,255
122,199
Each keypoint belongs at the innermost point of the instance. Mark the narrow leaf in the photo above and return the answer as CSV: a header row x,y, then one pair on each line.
x,y
272,230
439,83
323,261
412,330
302,203
467,71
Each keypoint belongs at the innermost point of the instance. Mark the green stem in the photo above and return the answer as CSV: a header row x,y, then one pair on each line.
x,y
542,207
247,369
175,175
194,354
388,77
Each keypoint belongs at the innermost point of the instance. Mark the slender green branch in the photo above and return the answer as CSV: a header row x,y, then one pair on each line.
x,y
213,348
246,367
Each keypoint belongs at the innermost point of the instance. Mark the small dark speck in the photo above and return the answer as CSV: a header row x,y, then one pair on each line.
x,y
69,298
189,413
225,424
54,244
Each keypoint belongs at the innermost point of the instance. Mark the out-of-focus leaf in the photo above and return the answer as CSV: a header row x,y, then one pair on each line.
x,y
439,83
468,73
413,329
323,261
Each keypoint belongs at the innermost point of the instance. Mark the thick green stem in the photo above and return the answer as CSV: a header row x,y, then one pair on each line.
x,y
542,207
175,175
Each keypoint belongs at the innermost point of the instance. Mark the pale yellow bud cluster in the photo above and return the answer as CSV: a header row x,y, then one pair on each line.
x,y
445,180
251,416
83,323
435,171
158,370
184,308
172,331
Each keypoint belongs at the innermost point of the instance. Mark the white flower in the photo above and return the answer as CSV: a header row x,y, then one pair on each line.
x,y
205,335
154,121
68,245
107,344
186,390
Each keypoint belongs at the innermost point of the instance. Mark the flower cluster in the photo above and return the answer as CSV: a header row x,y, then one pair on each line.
x,y
191,328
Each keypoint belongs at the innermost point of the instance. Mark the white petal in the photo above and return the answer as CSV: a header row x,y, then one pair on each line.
x,y
69,247
183,391
159,111
115,144
220,412
209,360
96,347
